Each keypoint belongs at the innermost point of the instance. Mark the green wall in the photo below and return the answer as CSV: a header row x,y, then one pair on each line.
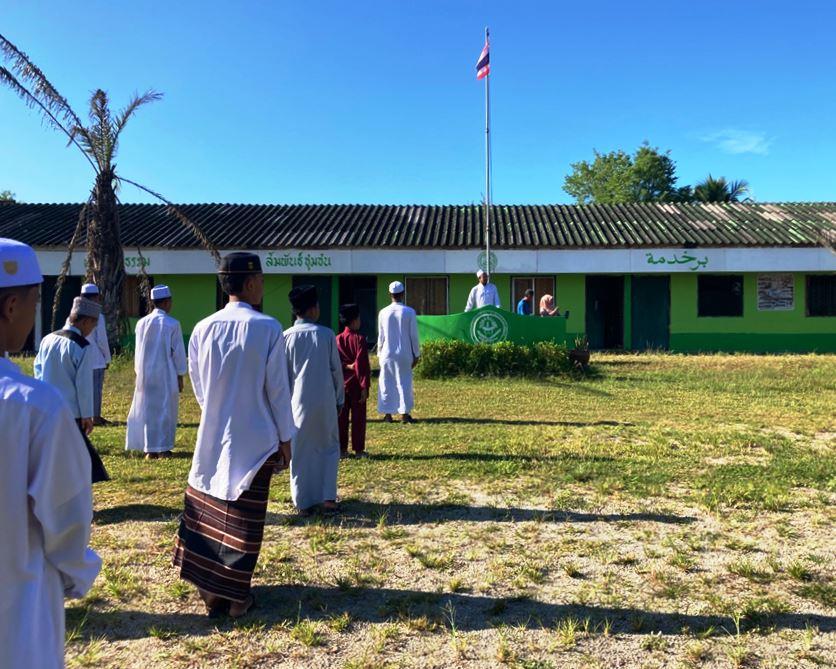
x,y
276,304
193,297
571,295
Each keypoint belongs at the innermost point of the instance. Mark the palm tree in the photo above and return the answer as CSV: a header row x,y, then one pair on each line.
x,y
720,190
98,142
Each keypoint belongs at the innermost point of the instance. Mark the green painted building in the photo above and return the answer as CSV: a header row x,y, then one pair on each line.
x,y
689,278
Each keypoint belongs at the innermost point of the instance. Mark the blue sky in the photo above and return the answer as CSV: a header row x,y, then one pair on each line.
x,y
325,101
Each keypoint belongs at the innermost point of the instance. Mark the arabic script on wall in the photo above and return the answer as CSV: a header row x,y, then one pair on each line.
x,y
693,262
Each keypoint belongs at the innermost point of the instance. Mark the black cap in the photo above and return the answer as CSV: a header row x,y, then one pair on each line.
x,y
303,298
240,262
348,312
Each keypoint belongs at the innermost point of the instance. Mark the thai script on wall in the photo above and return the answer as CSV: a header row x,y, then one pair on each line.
x,y
776,292
299,260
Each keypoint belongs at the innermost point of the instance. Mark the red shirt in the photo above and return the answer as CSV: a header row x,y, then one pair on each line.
x,y
354,351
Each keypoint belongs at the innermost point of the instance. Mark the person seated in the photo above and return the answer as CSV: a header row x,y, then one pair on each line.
x,y
525,306
548,307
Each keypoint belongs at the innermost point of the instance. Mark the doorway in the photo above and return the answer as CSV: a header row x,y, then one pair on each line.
x,y
605,311
323,289
361,289
70,290
650,305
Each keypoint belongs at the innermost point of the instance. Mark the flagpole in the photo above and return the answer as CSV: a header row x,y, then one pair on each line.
x,y
487,165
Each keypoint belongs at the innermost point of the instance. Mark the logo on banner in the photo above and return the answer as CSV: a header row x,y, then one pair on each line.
x,y
488,328
482,261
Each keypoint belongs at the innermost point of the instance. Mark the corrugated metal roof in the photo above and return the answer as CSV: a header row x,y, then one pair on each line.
x,y
451,226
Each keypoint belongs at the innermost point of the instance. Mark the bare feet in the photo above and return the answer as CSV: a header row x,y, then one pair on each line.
x,y
239,609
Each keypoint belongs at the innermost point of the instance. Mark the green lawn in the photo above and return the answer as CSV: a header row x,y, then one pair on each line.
x,y
667,511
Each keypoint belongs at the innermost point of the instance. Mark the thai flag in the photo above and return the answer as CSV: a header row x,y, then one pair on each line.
x,y
483,65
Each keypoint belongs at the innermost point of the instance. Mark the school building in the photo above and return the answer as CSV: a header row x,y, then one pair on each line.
x,y
682,277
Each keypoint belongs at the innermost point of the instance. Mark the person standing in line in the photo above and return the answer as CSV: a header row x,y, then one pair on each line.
x,y
483,293
160,365
398,351
238,370
64,361
46,504
99,353
357,377
525,305
316,385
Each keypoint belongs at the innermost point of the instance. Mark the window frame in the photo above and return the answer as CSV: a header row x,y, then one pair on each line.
x,y
807,279
445,277
532,278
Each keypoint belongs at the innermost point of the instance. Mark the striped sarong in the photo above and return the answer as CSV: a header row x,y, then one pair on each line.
x,y
219,540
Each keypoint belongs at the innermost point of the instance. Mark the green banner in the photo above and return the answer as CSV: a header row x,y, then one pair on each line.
x,y
489,325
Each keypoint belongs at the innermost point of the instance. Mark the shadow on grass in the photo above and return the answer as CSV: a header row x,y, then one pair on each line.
x,y
491,457
139,512
279,604
357,513
438,420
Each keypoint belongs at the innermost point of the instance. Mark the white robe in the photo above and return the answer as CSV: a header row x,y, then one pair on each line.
x,y
46,508
159,359
316,382
397,349
238,370
482,296
99,346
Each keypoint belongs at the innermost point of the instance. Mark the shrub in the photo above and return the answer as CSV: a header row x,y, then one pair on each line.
x,y
446,358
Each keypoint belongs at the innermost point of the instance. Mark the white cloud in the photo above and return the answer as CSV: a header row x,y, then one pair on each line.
x,y
732,140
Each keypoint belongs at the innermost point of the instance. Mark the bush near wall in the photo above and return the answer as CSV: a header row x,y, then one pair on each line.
x,y
447,358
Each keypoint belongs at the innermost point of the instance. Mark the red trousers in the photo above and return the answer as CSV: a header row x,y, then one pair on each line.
x,y
356,410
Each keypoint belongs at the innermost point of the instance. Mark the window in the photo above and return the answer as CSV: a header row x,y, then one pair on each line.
x,y
427,295
541,285
821,295
720,295
134,304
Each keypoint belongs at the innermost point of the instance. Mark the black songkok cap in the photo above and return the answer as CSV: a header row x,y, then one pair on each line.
x,y
240,262
348,312
303,298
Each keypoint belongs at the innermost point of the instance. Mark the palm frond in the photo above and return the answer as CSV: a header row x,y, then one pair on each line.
x,y
41,88
136,102
32,102
101,134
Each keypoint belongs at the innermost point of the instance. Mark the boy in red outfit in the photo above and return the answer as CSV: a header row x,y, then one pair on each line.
x,y
354,355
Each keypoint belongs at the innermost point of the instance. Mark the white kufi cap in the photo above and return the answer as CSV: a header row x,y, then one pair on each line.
x,y
396,288
480,273
18,264
89,289
160,292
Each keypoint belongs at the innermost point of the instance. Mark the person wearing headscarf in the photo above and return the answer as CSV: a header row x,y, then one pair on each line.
x,y
357,377
316,386
398,351
46,503
238,370
547,306
64,361
160,365
483,293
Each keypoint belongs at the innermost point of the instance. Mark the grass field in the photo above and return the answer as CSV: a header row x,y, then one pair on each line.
x,y
666,512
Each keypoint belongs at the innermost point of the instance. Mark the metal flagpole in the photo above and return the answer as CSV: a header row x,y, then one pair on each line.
x,y
487,162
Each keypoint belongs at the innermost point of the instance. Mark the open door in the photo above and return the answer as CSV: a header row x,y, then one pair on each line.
x,y
650,305
605,311
361,289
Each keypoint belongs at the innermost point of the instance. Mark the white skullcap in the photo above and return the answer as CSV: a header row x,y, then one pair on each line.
x,y
160,292
480,273
84,307
89,289
18,264
396,288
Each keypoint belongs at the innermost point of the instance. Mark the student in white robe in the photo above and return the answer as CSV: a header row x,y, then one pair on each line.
x,y
317,388
46,505
99,353
238,370
63,361
160,365
398,352
483,293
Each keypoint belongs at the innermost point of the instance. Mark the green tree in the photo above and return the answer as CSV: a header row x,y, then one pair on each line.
x,y
7,196
649,175
98,141
720,190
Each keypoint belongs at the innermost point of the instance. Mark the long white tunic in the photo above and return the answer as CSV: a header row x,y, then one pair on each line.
x,y
316,381
238,370
99,346
159,359
67,366
46,508
482,296
397,348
